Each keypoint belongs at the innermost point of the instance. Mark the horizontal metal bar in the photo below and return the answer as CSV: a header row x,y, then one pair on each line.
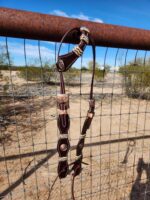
x,y
54,150
23,24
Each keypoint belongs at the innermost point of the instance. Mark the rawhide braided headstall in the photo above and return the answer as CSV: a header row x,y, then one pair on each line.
x,y
64,62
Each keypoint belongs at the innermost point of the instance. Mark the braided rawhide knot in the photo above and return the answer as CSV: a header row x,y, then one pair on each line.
x,y
84,36
84,40
62,101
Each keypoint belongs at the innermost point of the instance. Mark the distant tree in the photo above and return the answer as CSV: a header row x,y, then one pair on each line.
x,y
1,76
107,68
84,69
90,65
48,72
136,62
99,73
137,79
37,71
4,56
71,74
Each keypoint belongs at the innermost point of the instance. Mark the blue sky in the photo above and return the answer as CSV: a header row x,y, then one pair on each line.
x,y
120,12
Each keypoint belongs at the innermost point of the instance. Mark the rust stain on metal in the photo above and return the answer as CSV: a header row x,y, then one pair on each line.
x,y
23,24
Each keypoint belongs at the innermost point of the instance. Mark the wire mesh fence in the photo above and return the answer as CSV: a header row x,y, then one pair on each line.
x,y
117,144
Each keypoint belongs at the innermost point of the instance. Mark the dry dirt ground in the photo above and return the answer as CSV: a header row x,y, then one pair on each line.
x,y
115,170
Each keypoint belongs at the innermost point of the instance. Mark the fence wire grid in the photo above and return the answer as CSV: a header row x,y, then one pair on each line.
x,y
117,144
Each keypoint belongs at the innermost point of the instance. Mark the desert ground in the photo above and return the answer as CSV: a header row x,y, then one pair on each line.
x,y
118,164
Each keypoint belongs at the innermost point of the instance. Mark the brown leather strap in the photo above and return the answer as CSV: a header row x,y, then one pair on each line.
x,y
77,167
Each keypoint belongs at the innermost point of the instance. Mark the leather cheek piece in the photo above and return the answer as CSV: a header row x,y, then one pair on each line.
x,y
62,112
77,167
91,105
66,61
63,146
63,169
63,123
63,106
86,124
80,146
63,101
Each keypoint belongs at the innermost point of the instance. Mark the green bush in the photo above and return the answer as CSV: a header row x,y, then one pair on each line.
x,y
71,74
35,73
1,75
137,80
99,73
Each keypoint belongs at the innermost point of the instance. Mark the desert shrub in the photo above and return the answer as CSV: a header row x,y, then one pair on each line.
x,y
33,73
99,73
5,88
1,75
84,69
71,75
137,80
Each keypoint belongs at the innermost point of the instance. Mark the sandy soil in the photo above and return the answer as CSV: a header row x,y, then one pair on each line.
x,y
28,159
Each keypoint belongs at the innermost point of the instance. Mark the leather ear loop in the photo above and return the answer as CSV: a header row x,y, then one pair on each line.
x,y
77,29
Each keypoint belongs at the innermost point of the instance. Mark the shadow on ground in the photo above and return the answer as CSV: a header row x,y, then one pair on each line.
x,y
141,187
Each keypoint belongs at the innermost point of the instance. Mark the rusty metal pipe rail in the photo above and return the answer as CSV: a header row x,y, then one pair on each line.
x,y
23,24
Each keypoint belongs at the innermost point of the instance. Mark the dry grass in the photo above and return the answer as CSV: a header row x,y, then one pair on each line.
x,y
106,177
